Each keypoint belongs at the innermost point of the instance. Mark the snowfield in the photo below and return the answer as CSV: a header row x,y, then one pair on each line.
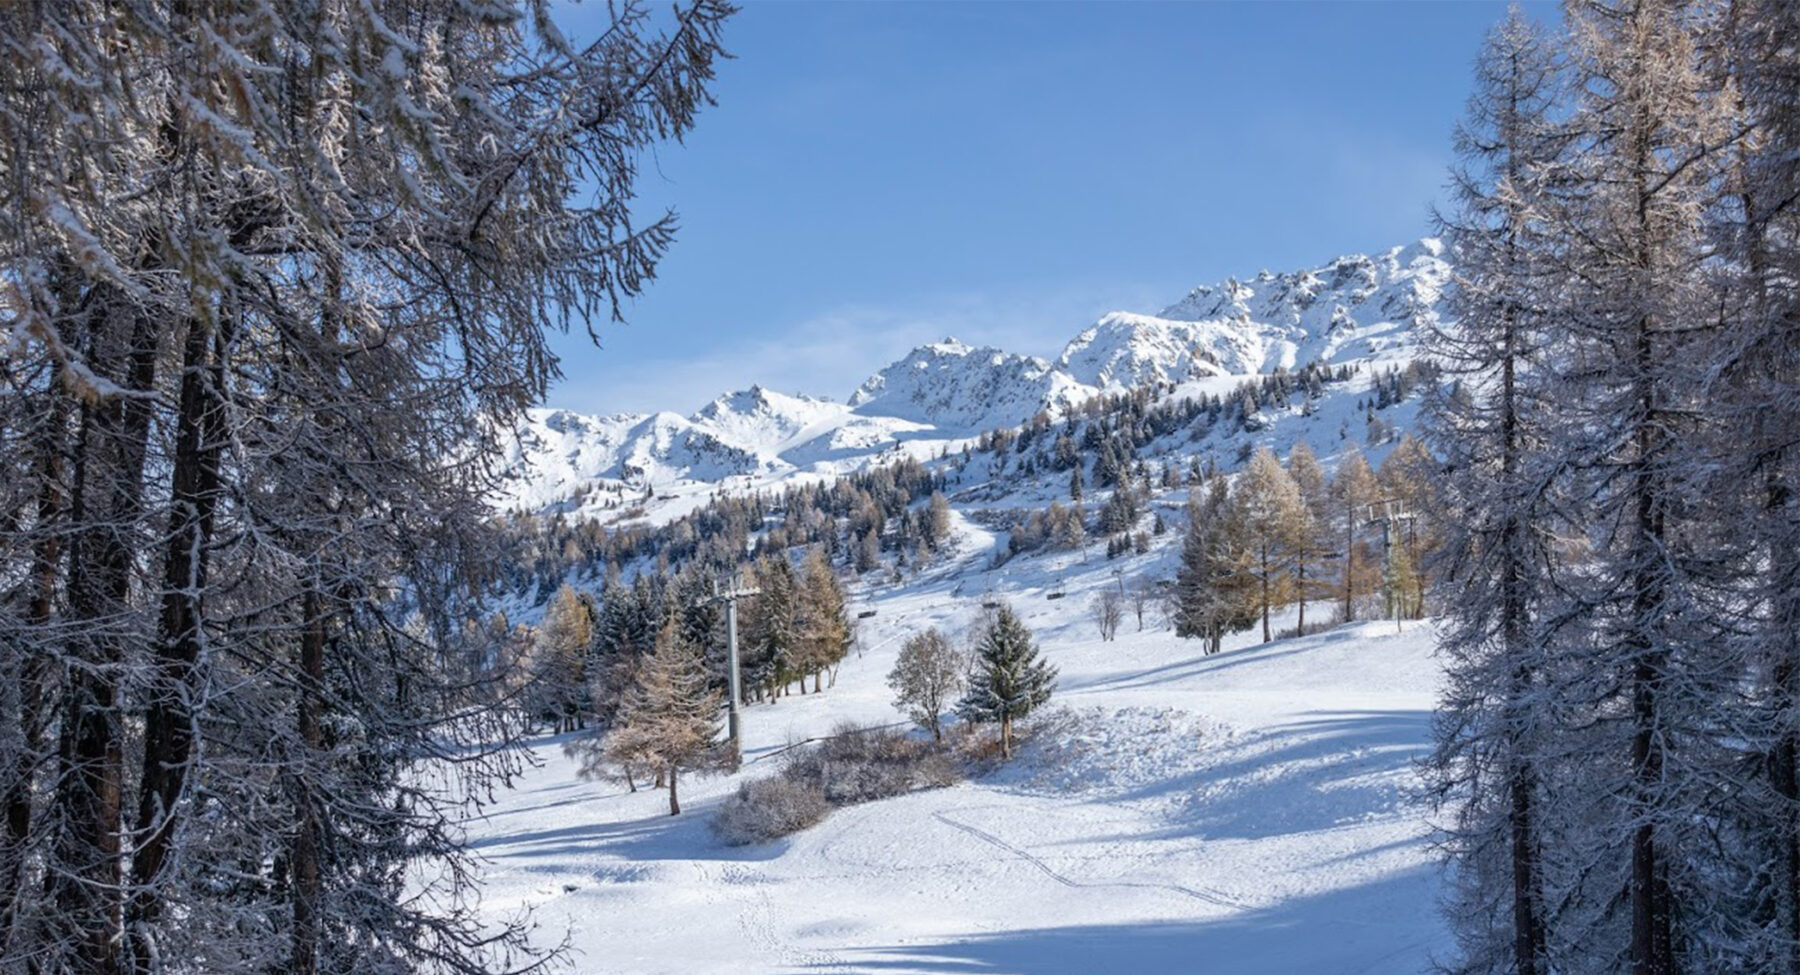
x,y
1250,812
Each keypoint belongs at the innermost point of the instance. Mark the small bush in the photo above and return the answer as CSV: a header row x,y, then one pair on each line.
x,y
854,765
768,809
864,764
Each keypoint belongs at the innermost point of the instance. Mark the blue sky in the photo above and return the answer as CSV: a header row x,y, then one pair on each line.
x,y
880,175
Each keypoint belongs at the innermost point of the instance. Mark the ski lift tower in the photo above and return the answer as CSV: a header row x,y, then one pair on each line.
x,y
729,594
1390,514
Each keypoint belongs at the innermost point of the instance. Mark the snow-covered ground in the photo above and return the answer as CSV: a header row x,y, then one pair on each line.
x,y
1249,812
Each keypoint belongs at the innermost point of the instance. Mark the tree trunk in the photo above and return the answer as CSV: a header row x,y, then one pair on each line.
x,y
107,509
1265,593
1528,932
674,800
33,669
1300,590
308,881
168,723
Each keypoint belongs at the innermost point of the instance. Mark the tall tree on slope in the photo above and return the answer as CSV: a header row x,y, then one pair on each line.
x,y
1489,428
1639,316
670,716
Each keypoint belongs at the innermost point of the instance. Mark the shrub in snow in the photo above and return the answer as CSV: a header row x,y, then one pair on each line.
x,y
853,765
864,764
767,809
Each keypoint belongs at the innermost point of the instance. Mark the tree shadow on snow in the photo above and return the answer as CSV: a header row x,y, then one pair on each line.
x,y
1384,926
656,837
1202,663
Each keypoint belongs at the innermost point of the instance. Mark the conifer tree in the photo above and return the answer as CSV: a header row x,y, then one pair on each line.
x,y
771,638
1211,596
277,288
1273,516
1353,488
1310,546
1753,50
1009,680
822,634
1636,312
669,716
559,659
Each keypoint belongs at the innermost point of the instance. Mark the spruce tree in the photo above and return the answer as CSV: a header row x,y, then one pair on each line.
x,y
1009,680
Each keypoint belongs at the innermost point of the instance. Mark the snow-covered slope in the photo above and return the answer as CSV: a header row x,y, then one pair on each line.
x,y
1254,812
1123,350
1358,307
1367,310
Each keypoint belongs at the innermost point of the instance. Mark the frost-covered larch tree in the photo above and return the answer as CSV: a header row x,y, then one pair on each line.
x,y
1490,425
278,280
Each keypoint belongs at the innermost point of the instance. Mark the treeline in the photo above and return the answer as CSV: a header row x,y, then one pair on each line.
x,y
1275,535
872,518
1619,741
584,657
855,519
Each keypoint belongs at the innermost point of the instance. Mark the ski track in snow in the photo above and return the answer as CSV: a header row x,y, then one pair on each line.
x,y
1212,897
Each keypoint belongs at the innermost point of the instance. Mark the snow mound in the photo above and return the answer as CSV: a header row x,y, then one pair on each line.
x,y
1101,751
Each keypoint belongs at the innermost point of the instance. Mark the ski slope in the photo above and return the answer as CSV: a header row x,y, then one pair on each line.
x,y
1250,812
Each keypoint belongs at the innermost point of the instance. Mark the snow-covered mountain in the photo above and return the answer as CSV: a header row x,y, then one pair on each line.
x,y
1363,309
756,433
959,388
